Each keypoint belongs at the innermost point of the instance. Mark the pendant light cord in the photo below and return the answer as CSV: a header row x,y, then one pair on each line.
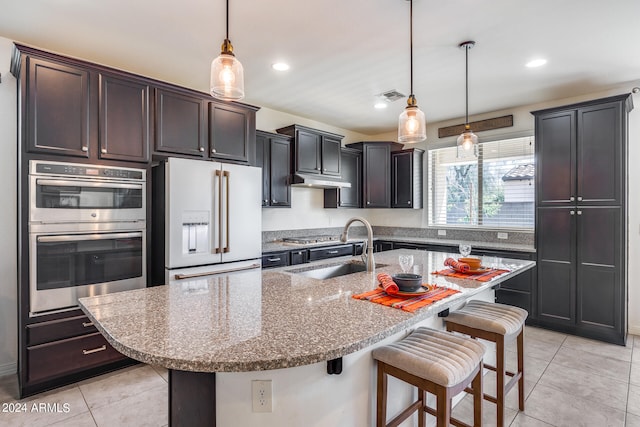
x,y
411,42
227,19
466,79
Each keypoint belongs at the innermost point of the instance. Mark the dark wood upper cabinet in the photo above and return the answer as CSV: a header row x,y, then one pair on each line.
x,y
331,162
556,157
351,163
581,213
314,151
180,123
376,172
581,159
124,119
600,167
57,108
406,178
273,154
307,152
280,150
231,132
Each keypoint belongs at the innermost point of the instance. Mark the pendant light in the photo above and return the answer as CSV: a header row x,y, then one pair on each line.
x,y
227,75
467,141
411,124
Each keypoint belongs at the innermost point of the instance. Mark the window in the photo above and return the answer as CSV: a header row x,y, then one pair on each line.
x,y
496,190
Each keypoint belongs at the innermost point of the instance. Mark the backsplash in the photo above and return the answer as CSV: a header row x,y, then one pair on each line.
x,y
513,237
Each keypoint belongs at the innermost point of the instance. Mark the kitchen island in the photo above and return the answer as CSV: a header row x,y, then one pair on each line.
x,y
216,334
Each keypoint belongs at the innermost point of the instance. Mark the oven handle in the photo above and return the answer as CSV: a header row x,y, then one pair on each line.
x,y
64,183
78,237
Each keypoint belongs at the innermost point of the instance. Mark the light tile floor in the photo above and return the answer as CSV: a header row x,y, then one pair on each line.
x,y
570,382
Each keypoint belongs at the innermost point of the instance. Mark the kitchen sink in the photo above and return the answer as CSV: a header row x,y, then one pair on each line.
x,y
332,270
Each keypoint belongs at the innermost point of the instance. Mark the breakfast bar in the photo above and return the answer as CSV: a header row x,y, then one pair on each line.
x,y
216,334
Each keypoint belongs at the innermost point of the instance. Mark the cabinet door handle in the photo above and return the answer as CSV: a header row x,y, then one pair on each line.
x,y
579,212
201,149
213,150
368,203
317,169
571,199
87,324
332,252
273,259
85,149
572,212
95,350
103,151
579,198
408,202
274,201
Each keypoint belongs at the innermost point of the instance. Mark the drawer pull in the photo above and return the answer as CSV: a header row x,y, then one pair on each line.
x,y
95,350
273,259
87,324
333,252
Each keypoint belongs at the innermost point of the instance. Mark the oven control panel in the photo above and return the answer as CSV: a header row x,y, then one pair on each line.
x,y
89,171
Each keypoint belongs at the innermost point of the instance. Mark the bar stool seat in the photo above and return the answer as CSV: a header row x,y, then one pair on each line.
x,y
497,323
437,362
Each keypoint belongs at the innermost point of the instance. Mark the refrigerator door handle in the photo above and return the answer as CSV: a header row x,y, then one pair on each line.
x,y
218,248
226,248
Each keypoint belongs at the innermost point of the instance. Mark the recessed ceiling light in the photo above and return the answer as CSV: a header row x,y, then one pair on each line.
x,y
380,105
280,66
536,63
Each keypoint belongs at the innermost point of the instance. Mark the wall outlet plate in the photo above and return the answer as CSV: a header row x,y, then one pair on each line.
x,y
442,232
261,396
503,236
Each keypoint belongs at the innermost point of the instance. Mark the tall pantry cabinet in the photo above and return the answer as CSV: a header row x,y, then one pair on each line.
x,y
581,228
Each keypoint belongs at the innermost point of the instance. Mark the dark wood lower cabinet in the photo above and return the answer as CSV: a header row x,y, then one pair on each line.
x,y
63,351
581,271
50,360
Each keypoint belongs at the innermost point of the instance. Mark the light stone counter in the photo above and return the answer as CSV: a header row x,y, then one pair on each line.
x,y
257,320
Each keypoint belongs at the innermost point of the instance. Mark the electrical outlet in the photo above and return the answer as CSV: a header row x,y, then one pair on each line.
x,y
442,232
503,236
261,396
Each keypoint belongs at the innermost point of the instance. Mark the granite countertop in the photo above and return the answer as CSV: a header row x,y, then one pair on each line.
x,y
268,319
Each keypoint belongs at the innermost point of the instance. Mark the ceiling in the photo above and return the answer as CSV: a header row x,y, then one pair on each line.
x,y
343,53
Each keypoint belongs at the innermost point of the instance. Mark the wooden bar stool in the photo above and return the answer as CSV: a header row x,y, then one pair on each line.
x,y
497,323
437,362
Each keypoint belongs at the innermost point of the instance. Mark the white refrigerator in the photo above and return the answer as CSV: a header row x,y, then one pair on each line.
x,y
212,218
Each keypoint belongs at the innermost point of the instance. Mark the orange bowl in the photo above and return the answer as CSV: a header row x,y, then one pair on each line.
x,y
473,263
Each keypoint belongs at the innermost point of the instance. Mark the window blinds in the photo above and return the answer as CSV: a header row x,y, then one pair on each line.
x,y
496,190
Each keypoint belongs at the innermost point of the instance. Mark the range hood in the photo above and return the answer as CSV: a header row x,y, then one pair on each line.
x,y
317,181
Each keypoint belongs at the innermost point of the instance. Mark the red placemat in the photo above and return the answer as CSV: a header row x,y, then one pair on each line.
x,y
410,304
481,277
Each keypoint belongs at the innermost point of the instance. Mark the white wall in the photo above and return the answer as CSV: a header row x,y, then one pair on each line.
x,y
8,215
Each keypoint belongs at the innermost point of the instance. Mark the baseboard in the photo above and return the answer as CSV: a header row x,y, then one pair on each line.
x,y
8,369
634,329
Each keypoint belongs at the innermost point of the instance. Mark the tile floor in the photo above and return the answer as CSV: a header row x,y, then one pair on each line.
x,y
570,381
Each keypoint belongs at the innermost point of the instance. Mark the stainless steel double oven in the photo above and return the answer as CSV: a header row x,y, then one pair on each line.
x,y
87,233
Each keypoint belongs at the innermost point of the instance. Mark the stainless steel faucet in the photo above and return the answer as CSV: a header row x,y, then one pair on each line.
x,y
369,261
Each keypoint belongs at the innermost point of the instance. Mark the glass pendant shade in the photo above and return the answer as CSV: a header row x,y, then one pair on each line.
x,y
467,145
227,77
412,126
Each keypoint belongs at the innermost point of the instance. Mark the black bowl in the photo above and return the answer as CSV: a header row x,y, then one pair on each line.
x,y
408,282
